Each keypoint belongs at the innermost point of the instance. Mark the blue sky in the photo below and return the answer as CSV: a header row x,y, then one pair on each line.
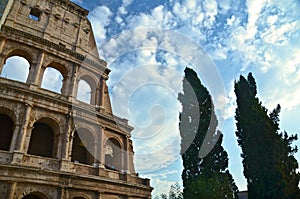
x,y
147,45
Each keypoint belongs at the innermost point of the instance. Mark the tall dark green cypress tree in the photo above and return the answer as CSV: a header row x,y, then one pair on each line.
x,y
269,164
205,162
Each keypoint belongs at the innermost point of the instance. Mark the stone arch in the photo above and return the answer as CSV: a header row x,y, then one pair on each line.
x,y
84,92
20,52
79,196
60,67
113,154
9,112
60,71
92,82
33,195
7,125
44,138
83,147
17,60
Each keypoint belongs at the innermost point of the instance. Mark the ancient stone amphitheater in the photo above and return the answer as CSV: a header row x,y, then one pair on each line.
x,y
55,144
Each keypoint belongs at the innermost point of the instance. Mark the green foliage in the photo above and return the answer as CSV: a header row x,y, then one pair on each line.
x,y
174,193
269,164
205,162
164,196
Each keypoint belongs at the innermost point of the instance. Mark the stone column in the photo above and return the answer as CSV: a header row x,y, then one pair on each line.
x,y
70,140
101,147
64,193
66,85
65,151
101,92
2,56
15,137
73,82
2,43
11,190
100,195
101,155
21,138
97,100
125,155
35,70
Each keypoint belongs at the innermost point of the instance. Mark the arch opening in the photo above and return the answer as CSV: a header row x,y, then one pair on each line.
x,y
84,92
82,148
6,133
31,196
113,154
41,140
16,68
52,80
35,196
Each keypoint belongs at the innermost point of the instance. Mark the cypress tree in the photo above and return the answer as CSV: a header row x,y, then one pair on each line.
x,y
268,161
205,162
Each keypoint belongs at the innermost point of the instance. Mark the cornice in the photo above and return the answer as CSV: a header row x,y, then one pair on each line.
x,y
9,30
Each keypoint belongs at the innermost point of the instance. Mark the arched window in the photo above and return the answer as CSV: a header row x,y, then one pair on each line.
x,y
113,154
31,196
35,195
84,93
16,68
82,148
41,140
52,80
6,132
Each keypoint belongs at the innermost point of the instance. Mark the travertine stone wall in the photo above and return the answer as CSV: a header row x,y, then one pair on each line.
x,y
57,34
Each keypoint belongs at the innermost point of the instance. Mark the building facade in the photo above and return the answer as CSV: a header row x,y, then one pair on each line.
x,y
55,144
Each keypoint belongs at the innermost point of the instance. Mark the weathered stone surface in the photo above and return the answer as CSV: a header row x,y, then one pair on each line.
x,y
53,145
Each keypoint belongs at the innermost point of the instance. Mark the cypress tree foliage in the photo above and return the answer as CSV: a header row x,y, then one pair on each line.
x,y
175,192
269,164
205,162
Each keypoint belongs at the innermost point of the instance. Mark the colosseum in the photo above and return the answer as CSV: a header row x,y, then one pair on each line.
x,y
59,143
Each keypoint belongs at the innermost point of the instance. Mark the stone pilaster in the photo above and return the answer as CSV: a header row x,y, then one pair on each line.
x,y
25,128
34,78
15,137
11,190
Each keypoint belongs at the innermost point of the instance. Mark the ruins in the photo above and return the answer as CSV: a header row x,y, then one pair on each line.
x,y
56,144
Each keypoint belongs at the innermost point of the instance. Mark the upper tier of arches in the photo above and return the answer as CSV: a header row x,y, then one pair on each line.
x,y
55,75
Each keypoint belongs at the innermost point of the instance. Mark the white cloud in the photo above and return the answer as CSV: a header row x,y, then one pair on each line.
x,y
122,9
230,21
161,186
100,18
84,91
278,35
225,6
226,104
272,19
260,37
159,17
16,68
211,10
286,74
161,158
52,80
254,10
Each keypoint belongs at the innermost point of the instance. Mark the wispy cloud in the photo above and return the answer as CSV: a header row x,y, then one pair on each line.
x,y
262,37
99,26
